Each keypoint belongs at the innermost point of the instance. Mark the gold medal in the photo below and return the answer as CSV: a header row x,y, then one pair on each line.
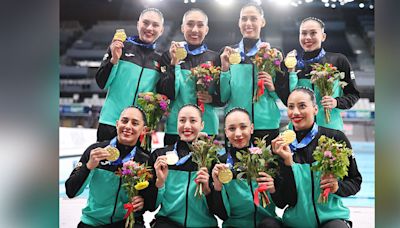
x,y
172,157
180,53
114,153
120,35
290,62
235,58
225,175
288,136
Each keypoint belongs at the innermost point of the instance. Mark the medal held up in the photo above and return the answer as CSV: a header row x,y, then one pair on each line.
x,y
120,35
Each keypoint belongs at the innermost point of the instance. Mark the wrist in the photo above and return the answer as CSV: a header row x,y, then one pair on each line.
x,y
113,60
217,186
288,161
174,62
89,166
159,183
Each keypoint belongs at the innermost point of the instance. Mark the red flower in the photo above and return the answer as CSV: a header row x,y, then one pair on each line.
x,y
205,65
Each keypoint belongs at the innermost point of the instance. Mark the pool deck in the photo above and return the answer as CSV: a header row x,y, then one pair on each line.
x,y
70,212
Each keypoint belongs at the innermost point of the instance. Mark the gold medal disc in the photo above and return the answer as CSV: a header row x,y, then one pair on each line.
x,y
172,158
180,53
114,153
235,58
288,136
225,175
290,62
120,35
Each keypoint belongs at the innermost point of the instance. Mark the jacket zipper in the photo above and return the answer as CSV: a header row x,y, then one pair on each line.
x,y
252,95
116,200
187,199
138,84
255,207
312,197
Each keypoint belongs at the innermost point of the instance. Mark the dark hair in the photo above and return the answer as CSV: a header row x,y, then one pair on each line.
x,y
141,111
157,11
308,91
320,22
194,10
236,109
254,4
194,106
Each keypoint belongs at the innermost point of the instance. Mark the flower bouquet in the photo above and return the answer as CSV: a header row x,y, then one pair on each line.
x,y
266,60
324,76
154,106
205,74
254,160
204,153
135,177
332,158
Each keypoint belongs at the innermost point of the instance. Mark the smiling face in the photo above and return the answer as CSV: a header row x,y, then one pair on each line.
x,y
194,27
129,126
238,129
189,123
150,27
311,35
251,22
301,110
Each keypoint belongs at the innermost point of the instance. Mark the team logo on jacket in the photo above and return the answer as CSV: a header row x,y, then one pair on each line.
x,y
129,54
105,56
156,64
352,75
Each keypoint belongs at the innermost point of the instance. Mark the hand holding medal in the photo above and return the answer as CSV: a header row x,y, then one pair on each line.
x,y
225,175
172,157
290,60
181,52
120,35
288,136
234,57
114,153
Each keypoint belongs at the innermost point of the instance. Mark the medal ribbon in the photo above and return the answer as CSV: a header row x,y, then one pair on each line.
x,y
182,160
251,52
133,40
295,145
128,157
301,63
200,50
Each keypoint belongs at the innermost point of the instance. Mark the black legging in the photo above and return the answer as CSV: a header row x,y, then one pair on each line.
x,y
106,132
337,223
270,222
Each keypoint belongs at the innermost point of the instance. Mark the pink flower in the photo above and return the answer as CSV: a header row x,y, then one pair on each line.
x,y
126,171
277,62
147,97
163,105
266,56
255,150
327,154
128,164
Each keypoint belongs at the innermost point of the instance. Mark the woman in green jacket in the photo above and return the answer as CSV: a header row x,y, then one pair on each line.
x,y
300,187
233,201
176,181
311,36
105,204
238,82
